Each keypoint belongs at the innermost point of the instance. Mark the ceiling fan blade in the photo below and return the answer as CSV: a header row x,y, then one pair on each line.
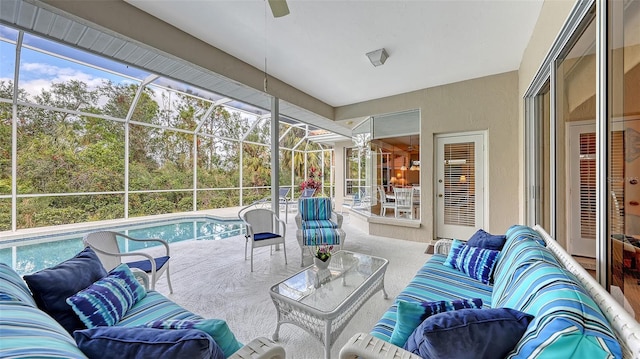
x,y
279,8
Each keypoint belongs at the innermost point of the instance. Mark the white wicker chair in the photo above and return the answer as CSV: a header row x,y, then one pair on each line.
x,y
105,244
264,228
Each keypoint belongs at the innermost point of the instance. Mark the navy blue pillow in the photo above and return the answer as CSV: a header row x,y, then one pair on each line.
x,y
139,343
487,333
52,286
487,240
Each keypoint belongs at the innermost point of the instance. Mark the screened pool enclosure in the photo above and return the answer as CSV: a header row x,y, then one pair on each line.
x,y
85,138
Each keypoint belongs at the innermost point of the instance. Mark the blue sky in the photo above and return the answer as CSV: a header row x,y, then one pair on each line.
x,y
39,69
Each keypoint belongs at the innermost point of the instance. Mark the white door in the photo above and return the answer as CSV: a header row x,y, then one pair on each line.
x,y
460,183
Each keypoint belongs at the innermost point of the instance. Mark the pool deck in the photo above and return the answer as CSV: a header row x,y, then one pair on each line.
x,y
212,279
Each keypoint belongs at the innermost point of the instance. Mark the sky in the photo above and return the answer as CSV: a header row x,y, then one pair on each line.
x,y
43,62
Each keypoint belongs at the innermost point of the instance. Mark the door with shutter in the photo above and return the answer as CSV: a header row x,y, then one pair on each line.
x,y
460,182
581,191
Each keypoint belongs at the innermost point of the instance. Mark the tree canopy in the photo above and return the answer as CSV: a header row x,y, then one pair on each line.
x,y
80,148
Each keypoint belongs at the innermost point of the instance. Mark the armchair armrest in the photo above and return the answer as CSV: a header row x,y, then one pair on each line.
x,y
337,218
299,220
141,276
283,227
161,241
129,254
260,348
367,346
443,246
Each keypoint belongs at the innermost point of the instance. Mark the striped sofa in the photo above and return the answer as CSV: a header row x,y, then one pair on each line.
x,y
28,332
574,317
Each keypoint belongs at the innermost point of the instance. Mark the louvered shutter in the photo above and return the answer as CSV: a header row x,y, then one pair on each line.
x,y
459,184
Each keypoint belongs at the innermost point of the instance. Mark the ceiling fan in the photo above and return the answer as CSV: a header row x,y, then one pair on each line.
x,y
279,8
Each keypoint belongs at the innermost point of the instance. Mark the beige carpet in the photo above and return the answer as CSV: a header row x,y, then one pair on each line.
x,y
212,279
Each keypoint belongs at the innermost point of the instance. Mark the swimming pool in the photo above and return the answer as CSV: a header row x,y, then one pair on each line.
x,y
29,255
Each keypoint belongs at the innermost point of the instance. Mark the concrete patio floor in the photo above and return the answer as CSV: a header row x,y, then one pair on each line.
x,y
212,279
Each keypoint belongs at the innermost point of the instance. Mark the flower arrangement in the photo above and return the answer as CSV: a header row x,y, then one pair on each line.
x,y
311,181
323,252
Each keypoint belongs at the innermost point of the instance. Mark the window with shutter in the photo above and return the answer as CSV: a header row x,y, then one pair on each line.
x,y
459,184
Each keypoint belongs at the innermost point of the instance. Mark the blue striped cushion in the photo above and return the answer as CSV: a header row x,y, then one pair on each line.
x,y
320,236
315,208
518,232
565,316
520,255
28,332
433,282
477,262
106,301
154,306
13,288
319,223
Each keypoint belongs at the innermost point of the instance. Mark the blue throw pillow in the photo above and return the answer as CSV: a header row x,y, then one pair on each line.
x,y
487,333
486,240
216,328
411,314
121,342
106,301
475,262
52,286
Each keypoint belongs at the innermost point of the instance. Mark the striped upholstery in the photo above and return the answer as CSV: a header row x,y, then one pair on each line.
x,y
152,308
320,236
567,323
433,282
519,256
316,208
13,288
26,330
319,223
518,232
528,277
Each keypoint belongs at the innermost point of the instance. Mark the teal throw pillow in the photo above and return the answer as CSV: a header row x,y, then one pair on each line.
x,y
216,328
106,301
411,314
476,262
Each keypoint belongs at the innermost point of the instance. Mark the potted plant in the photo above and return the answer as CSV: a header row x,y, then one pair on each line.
x,y
322,256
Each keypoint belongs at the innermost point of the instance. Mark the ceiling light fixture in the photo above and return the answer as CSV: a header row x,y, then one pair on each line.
x,y
378,57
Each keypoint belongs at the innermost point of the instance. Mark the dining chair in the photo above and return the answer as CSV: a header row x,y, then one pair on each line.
x,y
404,201
385,203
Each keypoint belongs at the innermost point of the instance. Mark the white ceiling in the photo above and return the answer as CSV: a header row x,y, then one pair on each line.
x,y
320,46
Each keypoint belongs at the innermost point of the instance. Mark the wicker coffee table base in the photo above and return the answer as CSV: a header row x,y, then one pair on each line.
x,y
326,327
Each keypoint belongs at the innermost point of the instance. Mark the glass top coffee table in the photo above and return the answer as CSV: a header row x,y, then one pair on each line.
x,y
323,301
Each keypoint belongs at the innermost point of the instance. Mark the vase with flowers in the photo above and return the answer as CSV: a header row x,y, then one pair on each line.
x,y
322,256
311,182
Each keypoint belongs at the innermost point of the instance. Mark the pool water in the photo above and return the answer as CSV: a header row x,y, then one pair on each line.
x,y
29,255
